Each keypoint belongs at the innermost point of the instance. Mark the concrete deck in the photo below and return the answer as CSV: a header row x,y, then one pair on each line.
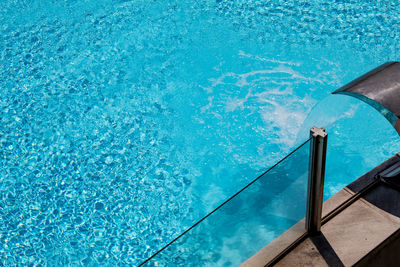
x,y
365,233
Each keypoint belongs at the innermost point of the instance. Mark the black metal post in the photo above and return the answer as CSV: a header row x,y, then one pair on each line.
x,y
316,176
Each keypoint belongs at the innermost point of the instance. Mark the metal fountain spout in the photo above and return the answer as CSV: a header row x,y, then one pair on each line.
x,y
379,88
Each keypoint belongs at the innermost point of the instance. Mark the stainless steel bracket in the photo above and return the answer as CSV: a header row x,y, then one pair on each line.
x,y
316,176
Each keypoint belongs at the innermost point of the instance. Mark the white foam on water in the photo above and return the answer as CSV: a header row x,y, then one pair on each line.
x,y
285,121
259,58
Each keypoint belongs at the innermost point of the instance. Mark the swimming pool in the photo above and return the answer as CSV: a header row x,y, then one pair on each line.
x,y
123,122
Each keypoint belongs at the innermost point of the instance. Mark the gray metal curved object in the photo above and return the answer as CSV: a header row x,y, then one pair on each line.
x,y
379,88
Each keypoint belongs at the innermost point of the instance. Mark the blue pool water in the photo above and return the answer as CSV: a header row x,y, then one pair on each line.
x,y
123,122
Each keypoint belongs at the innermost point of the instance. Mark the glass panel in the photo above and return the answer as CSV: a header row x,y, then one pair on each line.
x,y
250,220
359,139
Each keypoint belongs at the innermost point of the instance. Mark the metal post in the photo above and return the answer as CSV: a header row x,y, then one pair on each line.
x,y
316,175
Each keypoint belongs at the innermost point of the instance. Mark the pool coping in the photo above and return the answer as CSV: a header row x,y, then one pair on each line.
x,y
368,208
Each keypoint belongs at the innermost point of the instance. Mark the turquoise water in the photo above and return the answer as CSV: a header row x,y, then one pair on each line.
x,y
123,122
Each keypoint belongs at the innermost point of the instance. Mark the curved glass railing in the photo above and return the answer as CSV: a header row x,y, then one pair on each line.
x,y
274,204
253,217
360,138
266,216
